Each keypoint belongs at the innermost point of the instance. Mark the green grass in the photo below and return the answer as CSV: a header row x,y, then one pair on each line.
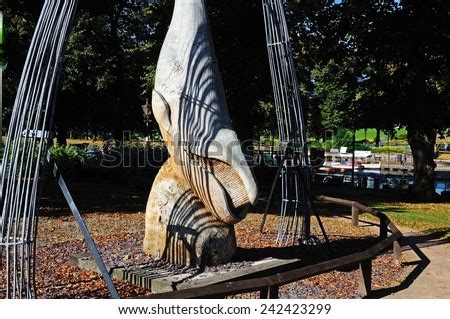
x,y
420,217
392,149
428,218
372,133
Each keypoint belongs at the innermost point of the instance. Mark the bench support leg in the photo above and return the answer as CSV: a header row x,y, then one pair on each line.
x,y
397,251
355,216
365,277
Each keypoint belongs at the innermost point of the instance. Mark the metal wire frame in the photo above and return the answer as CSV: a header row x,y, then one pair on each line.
x,y
25,144
295,213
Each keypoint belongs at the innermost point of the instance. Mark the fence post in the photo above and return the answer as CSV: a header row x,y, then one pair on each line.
x,y
355,215
397,251
263,293
270,292
365,277
383,229
273,292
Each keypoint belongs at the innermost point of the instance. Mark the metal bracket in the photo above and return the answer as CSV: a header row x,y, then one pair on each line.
x,y
83,228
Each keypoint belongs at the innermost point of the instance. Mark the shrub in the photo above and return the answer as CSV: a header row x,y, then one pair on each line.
x,y
68,156
392,149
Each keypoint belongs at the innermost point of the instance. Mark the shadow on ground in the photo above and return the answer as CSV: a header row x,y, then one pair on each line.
x,y
93,197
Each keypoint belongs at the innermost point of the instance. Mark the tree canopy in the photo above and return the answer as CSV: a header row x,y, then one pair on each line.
x,y
381,64
361,64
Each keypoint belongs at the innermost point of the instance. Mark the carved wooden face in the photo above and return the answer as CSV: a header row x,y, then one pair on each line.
x,y
190,106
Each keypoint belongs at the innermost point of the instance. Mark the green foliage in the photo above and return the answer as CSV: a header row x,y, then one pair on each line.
x,y
114,50
378,64
365,62
370,134
382,64
334,95
148,80
68,156
392,149
2,149
265,113
428,218
18,25
315,144
343,136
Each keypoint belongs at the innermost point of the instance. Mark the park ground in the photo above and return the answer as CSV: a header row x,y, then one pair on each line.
x,y
115,214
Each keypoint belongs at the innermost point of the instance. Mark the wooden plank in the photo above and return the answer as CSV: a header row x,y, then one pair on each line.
x,y
344,202
333,200
180,282
142,277
391,226
258,284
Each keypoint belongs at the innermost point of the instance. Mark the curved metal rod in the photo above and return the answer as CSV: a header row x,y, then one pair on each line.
x,y
295,210
26,144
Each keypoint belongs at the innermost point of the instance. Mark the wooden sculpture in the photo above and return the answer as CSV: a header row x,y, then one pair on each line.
x,y
206,185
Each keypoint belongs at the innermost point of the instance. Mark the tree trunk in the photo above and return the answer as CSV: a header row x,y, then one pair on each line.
x,y
377,138
62,136
422,147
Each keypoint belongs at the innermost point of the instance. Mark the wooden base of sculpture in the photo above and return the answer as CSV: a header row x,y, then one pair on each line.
x,y
178,227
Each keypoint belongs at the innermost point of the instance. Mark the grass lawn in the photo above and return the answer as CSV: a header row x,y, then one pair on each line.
x,y
423,217
401,135
372,133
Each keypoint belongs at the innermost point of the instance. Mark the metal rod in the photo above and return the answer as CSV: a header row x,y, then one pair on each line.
x,y
84,230
291,126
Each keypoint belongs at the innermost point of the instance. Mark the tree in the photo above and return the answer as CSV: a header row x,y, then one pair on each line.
x,y
387,61
407,49
238,32
373,63
19,17
111,49
421,57
111,55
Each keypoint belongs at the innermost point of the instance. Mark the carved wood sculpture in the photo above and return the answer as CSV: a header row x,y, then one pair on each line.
x,y
206,185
